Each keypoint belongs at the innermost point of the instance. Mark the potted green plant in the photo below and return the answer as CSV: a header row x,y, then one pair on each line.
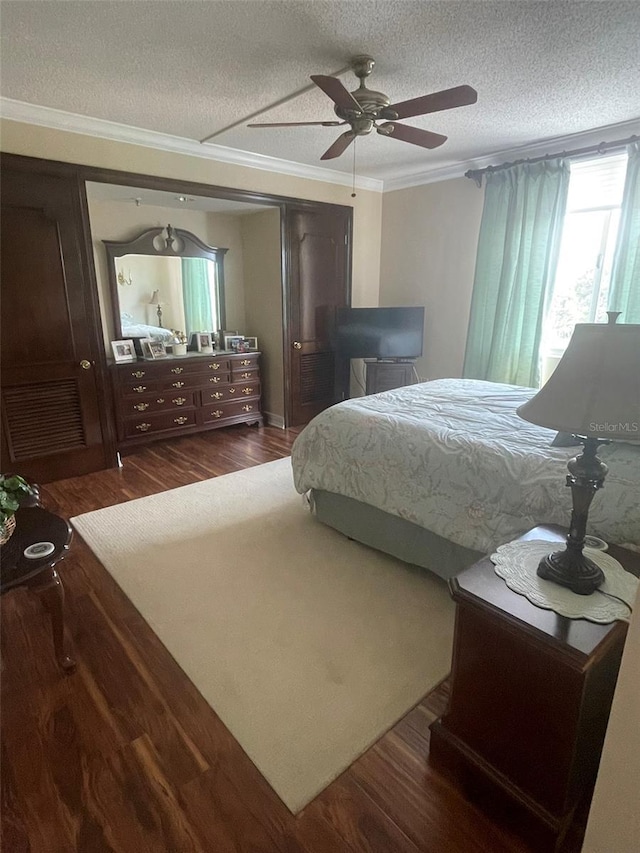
x,y
12,489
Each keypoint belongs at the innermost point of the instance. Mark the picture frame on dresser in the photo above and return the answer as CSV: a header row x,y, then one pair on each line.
x,y
123,350
233,342
204,342
153,349
251,343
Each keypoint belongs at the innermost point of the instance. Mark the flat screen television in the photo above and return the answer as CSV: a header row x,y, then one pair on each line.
x,y
380,332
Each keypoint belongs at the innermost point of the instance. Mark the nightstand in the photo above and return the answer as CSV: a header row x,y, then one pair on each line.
x,y
530,698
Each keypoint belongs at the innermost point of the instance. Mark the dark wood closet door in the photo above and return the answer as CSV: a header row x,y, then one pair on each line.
x,y
51,425
319,244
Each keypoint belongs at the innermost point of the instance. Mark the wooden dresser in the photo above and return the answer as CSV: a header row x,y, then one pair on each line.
x,y
184,394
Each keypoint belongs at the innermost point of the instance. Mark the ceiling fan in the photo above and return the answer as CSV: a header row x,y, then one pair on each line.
x,y
364,109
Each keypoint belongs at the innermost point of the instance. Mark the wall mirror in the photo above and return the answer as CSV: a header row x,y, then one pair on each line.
x,y
165,280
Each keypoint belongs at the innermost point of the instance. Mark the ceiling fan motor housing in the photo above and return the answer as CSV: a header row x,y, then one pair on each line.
x,y
374,105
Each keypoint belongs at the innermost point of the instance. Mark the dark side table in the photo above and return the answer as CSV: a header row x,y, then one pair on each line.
x,y
530,698
35,524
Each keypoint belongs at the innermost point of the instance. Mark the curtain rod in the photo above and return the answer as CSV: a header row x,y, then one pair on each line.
x,y
601,148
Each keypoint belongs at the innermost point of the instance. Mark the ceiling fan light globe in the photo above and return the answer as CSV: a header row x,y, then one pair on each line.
x,y
362,126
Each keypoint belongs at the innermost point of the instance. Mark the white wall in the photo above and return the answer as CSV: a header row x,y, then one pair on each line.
x,y
263,304
614,819
429,241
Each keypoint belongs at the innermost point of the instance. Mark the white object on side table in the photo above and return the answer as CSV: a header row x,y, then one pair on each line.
x,y
516,563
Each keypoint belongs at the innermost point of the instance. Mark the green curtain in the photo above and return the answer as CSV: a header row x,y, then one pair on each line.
x,y
517,254
196,295
624,294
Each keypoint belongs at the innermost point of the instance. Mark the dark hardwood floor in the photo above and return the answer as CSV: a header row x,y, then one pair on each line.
x,y
125,755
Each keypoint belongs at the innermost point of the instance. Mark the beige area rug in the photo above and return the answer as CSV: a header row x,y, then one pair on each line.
x,y
308,646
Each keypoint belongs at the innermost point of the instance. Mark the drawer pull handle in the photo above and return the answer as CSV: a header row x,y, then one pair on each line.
x,y
179,401
245,362
214,366
178,384
232,390
180,421
141,406
247,390
160,400
246,376
143,427
138,373
217,395
217,414
247,408
140,389
177,369
215,379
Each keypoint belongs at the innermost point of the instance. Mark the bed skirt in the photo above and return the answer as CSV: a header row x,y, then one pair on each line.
x,y
391,534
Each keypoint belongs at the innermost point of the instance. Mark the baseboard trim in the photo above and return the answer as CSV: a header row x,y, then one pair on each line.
x,y
273,420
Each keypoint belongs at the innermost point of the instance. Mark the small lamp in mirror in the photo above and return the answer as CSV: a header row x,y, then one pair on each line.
x,y
594,394
155,300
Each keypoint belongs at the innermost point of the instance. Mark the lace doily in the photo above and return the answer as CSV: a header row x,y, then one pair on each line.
x,y
517,562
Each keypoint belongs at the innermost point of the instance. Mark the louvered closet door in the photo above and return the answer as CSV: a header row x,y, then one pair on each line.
x,y
319,282
50,418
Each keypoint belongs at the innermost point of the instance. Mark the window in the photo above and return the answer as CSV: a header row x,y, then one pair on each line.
x,y
581,286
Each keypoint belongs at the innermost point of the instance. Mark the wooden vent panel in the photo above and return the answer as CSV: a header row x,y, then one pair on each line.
x,y
316,376
43,419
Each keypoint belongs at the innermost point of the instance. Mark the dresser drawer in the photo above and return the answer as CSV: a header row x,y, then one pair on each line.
x,y
201,365
184,382
134,427
212,413
133,373
161,401
227,393
246,373
139,387
244,390
244,363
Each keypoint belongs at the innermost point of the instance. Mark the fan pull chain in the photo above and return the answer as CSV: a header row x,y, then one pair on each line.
x,y
353,186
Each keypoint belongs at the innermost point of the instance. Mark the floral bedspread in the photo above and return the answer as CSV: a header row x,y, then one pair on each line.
x,y
453,456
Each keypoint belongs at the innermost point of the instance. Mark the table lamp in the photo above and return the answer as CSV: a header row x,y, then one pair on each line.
x,y
594,394
155,300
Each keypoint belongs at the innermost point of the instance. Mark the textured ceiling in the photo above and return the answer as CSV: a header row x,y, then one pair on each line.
x,y
541,69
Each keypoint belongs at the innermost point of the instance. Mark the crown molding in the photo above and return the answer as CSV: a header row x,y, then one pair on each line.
x,y
401,179
103,129
410,178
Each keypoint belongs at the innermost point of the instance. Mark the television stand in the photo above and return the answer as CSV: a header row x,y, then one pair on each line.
x,y
385,374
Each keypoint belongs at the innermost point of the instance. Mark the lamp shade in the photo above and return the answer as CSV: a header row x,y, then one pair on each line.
x,y
155,298
595,389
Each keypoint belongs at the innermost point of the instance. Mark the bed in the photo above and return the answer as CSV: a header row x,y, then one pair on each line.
x,y
133,329
442,472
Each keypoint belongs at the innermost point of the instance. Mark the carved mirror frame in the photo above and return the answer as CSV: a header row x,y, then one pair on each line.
x,y
163,242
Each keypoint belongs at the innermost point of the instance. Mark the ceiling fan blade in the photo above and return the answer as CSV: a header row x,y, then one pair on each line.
x,y
332,87
339,146
298,124
424,138
460,96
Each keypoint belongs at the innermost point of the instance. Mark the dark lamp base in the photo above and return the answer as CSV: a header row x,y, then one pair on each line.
x,y
572,570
